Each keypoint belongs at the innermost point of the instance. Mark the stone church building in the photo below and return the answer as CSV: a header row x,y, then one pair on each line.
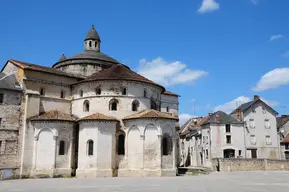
x,y
88,115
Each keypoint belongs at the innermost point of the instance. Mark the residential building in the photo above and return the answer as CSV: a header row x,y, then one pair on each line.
x,y
261,137
283,130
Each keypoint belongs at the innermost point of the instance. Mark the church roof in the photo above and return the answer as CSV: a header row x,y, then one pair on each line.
x,y
119,72
98,116
54,115
170,93
34,67
90,54
147,114
92,34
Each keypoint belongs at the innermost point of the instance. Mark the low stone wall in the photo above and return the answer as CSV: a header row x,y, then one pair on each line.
x,y
238,164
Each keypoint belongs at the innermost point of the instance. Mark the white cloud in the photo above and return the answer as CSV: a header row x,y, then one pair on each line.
x,y
168,73
273,79
209,6
275,37
255,2
183,118
232,105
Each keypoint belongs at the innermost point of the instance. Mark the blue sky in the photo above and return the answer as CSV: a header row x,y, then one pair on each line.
x,y
218,53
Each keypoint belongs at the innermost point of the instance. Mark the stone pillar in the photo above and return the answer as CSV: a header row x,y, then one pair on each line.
x,y
69,153
35,152
55,151
174,151
160,150
142,138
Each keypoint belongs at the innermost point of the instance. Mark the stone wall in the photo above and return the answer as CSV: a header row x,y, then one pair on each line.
x,y
226,165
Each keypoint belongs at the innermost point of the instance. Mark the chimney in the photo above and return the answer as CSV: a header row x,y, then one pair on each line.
x,y
284,118
256,97
239,114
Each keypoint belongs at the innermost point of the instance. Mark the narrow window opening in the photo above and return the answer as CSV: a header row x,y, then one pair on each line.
x,y
90,148
145,93
168,110
121,142
61,148
153,105
228,128
165,146
123,91
86,106
1,98
42,91
89,43
81,93
135,105
98,91
62,95
113,105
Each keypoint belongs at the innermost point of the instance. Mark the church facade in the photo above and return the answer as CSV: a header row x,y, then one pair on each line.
x,y
89,115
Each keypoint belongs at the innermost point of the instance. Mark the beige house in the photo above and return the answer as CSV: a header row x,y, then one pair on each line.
x,y
89,115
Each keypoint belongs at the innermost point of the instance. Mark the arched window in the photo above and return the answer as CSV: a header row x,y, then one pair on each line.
x,y
145,93
89,43
81,93
120,147
61,148
86,106
113,105
90,147
62,94
153,105
165,146
135,105
42,91
123,92
98,91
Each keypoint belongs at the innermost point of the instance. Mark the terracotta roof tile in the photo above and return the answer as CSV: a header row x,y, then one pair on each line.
x,y
285,140
54,115
34,67
151,114
98,116
119,72
170,93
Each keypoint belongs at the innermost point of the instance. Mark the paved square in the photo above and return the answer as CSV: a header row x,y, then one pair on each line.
x,y
231,182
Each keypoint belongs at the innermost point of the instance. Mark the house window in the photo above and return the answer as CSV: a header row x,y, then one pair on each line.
x,y
207,154
228,139
113,105
254,153
123,92
228,128
145,93
42,91
168,110
90,147
121,142
81,93
252,123
62,94
229,153
61,148
286,155
253,139
240,153
98,91
268,140
286,145
1,98
267,124
135,105
86,106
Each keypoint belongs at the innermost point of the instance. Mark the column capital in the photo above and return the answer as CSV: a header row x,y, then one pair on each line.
x,y
142,137
55,137
36,138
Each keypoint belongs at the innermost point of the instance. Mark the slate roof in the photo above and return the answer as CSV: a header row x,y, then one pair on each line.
x,y
92,34
280,122
147,114
54,115
170,93
89,54
119,72
247,105
34,67
98,116
221,118
191,126
285,140
9,82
